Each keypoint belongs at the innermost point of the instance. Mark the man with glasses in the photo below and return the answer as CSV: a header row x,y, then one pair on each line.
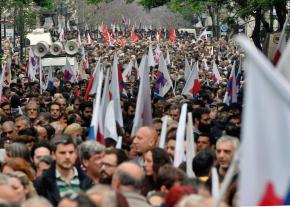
x,y
110,162
63,176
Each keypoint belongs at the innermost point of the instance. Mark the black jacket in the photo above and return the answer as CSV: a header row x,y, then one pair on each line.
x,y
46,184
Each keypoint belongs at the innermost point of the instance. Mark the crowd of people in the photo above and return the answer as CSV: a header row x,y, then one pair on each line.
x,y
48,159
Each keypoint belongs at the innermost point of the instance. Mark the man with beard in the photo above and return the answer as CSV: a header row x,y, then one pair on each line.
x,y
63,176
129,113
86,111
110,161
202,121
91,153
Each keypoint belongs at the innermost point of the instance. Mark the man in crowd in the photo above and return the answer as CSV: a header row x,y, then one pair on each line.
x,y
63,176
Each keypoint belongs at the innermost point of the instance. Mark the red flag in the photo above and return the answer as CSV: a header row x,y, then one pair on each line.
x,y
281,44
172,35
134,37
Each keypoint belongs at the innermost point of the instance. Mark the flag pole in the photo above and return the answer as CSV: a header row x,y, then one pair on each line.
x,y
227,180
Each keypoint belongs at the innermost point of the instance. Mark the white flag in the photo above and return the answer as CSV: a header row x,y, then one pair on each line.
x,y
264,164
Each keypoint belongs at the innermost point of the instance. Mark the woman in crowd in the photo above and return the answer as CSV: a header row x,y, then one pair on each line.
x,y
153,160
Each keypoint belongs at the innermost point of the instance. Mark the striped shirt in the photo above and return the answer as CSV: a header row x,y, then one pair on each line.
x,y
66,188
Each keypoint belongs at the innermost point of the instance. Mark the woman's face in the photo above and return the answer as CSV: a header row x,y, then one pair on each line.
x,y
20,193
148,163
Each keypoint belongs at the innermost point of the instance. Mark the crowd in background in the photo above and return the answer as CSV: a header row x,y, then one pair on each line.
x,y
44,136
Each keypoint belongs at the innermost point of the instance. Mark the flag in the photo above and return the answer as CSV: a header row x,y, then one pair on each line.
x,y
231,90
179,155
89,39
93,132
7,73
116,87
157,52
162,139
192,85
104,103
143,112
190,146
68,73
42,78
163,82
284,62
79,39
1,82
151,61
127,72
187,70
265,172
214,183
216,77
134,37
172,35
119,143
61,35
110,128
93,81
107,35
203,35
32,65
168,62
282,43
205,64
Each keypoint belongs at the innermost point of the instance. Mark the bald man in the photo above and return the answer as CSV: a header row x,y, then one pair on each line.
x,y
128,180
145,138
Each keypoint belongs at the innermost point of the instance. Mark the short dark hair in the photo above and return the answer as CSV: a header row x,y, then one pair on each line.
x,y
210,138
198,112
202,163
38,145
168,175
85,104
54,103
61,139
120,154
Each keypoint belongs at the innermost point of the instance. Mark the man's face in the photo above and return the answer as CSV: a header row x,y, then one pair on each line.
x,y
170,148
55,112
87,112
21,124
108,167
94,164
174,113
7,109
40,152
65,156
224,154
157,126
204,123
131,111
203,142
31,111
9,132
62,103
143,140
